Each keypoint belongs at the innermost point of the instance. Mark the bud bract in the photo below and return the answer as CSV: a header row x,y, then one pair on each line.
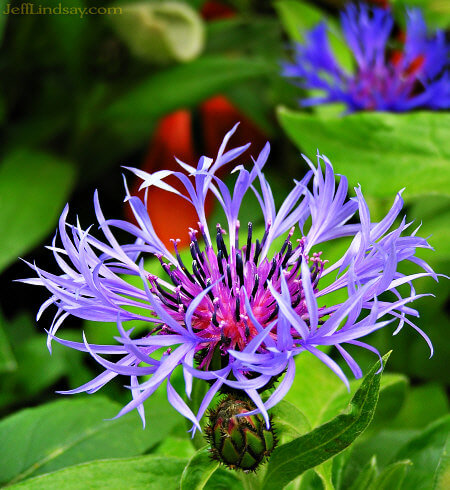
x,y
239,442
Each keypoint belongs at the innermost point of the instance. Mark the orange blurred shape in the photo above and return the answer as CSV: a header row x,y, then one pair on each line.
x,y
171,215
219,115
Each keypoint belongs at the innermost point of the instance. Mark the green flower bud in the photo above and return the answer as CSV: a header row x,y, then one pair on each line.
x,y
239,442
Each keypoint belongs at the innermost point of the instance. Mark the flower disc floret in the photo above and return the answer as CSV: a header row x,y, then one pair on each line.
x,y
238,303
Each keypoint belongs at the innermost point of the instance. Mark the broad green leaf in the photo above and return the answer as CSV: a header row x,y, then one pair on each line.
x,y
175,446
297,16
423,405
33,189
34,357
442,481
366,475
313,386
292,459
434,214
339,463
383,444
391,478
425,452
325,473
384,152
309,480
67,432
132,115
133,473
289,421
7,360
392,395
198,470
393,392
224,479
160,32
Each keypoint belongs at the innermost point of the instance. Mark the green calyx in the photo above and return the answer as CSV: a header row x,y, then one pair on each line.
x,y
241,443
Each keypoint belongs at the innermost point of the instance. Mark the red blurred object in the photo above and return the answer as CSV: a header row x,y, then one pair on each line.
x,y
172,215
219,115
380,3
216,10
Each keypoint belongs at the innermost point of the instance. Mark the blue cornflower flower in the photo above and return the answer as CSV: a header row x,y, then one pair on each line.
x,y
244,308
385,78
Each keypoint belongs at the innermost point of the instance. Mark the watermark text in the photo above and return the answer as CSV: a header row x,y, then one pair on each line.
x,y
29,8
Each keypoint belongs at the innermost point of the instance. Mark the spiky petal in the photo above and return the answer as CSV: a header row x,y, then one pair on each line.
x,y
245,304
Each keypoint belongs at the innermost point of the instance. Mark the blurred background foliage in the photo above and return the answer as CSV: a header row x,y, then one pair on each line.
x,y
80,97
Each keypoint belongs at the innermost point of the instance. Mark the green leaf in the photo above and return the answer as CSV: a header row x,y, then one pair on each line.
x,y
392,395
442,481
223,479
339,463
391,478
313,386
425,452
33,189
292,459
434,212
297,16
410,148
34,357
325,473
67,432
133,473
160,32
175,446
289,421
198,471
132,115
366,475
383,444
7,360
422,406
